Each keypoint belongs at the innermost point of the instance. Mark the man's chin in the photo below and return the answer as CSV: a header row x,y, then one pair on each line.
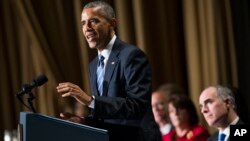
x,y
92,46
215,123
210,122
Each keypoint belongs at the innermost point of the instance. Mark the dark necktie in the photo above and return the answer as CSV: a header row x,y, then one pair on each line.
x,y
221,137
100,74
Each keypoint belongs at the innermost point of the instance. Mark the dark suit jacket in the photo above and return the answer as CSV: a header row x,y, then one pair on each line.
x,y
126,90
214,136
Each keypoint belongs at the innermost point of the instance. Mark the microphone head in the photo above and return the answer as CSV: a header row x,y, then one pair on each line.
x,y
40,80
25,88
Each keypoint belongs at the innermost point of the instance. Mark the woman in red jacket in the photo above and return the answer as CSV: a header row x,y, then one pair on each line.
x,y
185,120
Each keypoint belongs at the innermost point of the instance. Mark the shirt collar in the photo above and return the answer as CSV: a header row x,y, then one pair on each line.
x,y
107,50
165,129
226,131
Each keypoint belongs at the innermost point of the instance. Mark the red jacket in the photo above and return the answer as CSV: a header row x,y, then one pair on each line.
x,y
197,133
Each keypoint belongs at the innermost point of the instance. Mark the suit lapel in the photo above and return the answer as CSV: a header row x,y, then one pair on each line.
x,y
240,122
93,69
110,67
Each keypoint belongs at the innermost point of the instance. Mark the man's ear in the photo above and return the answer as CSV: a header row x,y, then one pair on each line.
x,y
113,22
228,103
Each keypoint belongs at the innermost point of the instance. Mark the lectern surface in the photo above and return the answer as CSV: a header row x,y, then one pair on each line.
x,y
38,127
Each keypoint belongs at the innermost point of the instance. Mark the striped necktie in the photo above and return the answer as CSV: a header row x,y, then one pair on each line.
x,y
100,74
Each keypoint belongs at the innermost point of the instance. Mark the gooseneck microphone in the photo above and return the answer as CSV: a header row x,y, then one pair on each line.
x,y
27,88
38,81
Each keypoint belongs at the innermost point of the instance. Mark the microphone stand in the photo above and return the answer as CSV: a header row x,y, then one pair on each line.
x,y
30,98
26,89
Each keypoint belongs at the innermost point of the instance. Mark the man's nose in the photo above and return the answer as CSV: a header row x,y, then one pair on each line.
x,y
87,27
204,109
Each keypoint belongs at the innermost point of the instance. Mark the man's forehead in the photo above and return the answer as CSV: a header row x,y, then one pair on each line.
x,y
92,10
159,94
208,93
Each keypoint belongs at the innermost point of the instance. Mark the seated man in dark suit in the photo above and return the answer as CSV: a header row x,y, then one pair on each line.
x,y
159,104
218,107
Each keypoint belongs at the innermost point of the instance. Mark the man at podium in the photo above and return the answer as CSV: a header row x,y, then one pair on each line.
x,y
120,78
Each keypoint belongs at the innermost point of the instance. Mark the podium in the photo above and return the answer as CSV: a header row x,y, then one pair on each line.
x,y
38,127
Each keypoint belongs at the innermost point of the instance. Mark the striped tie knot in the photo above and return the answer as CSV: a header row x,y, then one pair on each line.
x,y
221,137
101,61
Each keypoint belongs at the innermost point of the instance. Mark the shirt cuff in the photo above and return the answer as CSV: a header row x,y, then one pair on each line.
x,y
92,103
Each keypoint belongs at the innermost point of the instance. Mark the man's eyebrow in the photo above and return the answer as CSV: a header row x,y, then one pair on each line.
x,y
205,102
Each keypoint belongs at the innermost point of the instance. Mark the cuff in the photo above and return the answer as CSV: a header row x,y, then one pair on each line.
x,y
92,103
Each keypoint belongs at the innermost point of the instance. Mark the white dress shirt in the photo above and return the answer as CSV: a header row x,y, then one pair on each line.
x,y
166,129
226,131
105,53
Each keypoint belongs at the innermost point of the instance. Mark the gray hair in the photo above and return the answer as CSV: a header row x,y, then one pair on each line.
x,y
106,9
226,93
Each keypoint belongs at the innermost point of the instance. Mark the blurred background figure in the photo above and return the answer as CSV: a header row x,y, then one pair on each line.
x,y
159,105
184,118
218,107
10,135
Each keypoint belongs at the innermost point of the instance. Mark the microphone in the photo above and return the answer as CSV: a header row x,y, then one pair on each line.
x,y
38,81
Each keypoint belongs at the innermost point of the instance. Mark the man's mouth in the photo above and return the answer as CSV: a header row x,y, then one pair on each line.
x,y
90,36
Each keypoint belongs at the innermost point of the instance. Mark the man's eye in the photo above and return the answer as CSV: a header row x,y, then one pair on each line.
x,y
82,24
93,21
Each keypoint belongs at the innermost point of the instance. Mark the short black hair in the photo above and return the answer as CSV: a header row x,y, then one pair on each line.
x,y
106,8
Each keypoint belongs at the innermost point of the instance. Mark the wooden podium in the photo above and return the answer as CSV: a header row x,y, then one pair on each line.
x,y
38,127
